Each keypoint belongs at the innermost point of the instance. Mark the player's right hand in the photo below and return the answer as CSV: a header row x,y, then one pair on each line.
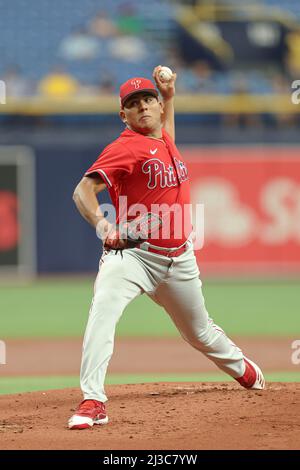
x,y
166,89
113,241
113,236
103,228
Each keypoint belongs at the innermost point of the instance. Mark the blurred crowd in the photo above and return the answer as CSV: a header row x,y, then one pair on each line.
x,y
122,39
198,78
101,52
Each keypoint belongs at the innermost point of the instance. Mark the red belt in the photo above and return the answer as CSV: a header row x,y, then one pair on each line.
x,y
167,253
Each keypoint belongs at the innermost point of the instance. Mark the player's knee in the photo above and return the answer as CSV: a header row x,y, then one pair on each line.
x,y
200,340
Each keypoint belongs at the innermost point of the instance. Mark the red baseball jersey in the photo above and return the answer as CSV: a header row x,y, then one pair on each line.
x,y
147,174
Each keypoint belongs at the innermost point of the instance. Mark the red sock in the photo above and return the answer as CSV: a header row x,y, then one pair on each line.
x,y
249,377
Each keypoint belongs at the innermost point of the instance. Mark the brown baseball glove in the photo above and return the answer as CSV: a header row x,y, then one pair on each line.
x,y
132,233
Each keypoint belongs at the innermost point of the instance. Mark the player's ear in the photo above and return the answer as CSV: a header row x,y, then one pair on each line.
x,y
123,116
161,104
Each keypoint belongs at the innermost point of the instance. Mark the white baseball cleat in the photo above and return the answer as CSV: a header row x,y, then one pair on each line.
x,y
253,378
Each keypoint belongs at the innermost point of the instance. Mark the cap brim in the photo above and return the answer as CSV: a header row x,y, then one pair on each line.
x,y
145,90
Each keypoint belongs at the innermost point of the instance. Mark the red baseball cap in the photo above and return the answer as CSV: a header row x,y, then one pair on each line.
x,y
136,85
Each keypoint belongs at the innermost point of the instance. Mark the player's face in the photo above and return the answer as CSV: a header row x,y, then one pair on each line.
x,y
142,113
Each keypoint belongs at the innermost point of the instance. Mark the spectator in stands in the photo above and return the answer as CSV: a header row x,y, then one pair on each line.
x,y
241,92
16,85
58,84
79,45
293,56
239,84
185,79
123,42
128,48
282,86
107,85
195,78
128,21
203,77
102,26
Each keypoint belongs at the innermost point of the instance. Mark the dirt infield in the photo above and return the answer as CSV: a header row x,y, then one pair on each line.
x,y
152,416
138,356
158,416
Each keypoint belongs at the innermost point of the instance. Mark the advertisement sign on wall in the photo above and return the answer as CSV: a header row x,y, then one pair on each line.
x,y
251,198
17,207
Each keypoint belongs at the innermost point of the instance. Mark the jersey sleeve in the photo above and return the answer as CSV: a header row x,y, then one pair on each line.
x,y
113,164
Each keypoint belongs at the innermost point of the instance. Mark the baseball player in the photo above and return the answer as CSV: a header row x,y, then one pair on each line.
x,y
144,167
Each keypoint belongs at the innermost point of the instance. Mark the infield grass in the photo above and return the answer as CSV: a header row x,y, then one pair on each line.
x,y
58,307
9,385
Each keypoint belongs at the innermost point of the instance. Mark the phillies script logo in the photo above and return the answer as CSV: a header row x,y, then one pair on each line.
x,y
160,175
181,170
136,83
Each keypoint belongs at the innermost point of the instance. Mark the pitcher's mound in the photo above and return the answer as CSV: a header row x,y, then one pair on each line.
x,y
158,416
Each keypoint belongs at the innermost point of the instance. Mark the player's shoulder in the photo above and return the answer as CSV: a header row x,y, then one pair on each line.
x,y
128,141
129,137
120,147
116,146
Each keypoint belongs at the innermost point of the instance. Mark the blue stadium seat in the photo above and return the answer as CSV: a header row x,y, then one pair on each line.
x,y
30,35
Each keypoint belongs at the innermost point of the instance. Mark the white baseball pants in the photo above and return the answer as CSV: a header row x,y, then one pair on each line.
x,y
171,282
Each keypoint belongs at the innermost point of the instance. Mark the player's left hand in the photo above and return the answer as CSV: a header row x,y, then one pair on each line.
x,y
166,89
133,233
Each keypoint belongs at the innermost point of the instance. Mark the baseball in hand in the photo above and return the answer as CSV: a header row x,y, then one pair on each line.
x,y
165,74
